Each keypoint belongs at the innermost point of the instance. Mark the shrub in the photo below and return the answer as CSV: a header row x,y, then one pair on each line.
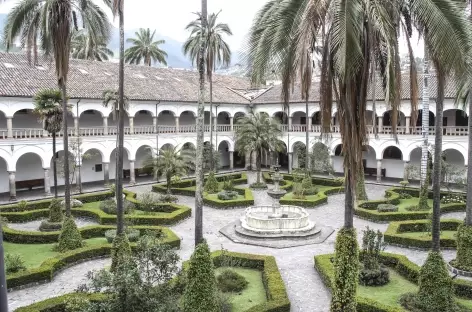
x,y
132,234
55,211
452,199
227,195
109,206
346,272
121,251
297,191
228,183
147,201
22,205
372,273
464,248
70,237
258,186
211,184
199,294
387,208
377,277
167,198
47,226
230,281
14,263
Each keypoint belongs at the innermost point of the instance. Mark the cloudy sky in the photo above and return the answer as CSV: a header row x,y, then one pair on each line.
x,y
169,17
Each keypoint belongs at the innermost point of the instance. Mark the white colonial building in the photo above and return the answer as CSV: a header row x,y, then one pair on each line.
x,y
163,106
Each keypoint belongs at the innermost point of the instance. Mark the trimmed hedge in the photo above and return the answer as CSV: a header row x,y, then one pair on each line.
x,y
399,263
368,209
49,267
395,229
233,203
308,203
58,304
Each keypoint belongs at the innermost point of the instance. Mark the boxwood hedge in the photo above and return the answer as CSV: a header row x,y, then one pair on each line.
x,y
394,232
401,265
233,203
58,304
49,267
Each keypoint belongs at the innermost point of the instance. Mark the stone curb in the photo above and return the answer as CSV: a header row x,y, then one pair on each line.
x,y
457,271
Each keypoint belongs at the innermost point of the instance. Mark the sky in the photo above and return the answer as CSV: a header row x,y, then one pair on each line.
x,y
169,17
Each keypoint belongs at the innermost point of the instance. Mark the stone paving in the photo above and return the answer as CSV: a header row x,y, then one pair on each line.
x,y
305,288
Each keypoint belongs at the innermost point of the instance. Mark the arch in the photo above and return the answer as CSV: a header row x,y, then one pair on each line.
x,y
414,155
166,118
91,118
294,143
188,146
167,146
387,119
223,118
113,120
4,183
316,118
299,118
238,115
455,118
206,117
454,149
224,150
143,154
97,147
229,142
10,164
453,156
368,118
29,166
283,159
26,119
419,121
126,160
143,118
33,150
3,120
282,117
337,151
92,165
187,118
126,153
299,154
392,152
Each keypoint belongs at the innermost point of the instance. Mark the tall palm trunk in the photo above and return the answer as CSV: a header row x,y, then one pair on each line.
x,y
436,226
212,160
307,138
349,202
66,148
468,214
200,134
425,118
54,163
121,124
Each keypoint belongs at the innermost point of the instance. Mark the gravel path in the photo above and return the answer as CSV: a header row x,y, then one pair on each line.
x,y
34,225
305,288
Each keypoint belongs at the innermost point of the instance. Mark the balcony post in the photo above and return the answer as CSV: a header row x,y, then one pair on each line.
x,y
380,119
177,124
154,124
105,125
131,125
308,123
289,123
407,125
231,123
76,125
10,127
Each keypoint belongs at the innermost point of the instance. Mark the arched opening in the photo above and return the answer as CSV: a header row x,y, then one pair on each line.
x,y
455,118
282,157
281,117
166,118
454,157
4,183
73,168
392,161
113,158
187,121
26,119
29,172
91,119
316,119
113,120
369,159
299,118
189,146
299,155
238,116
223,118
453,168
167,146
143,118
239,159
369,118
419,121
387,119
92,166
143,156
223,149
3,124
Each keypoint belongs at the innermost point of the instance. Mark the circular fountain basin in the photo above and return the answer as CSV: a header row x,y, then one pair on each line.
x,y
282,220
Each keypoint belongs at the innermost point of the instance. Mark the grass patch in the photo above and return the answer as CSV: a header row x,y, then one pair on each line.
x,y
35,254
425,235
253,295
414,201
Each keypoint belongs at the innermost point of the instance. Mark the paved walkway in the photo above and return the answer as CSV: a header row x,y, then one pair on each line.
x,y
305,288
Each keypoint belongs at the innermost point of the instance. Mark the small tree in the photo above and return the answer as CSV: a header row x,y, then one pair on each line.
x,y
300,150
372,273
211,184
320,159
70,237
207,155
200,291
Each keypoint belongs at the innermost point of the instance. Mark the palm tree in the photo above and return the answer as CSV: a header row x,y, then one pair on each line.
x,y
171,162
85,47
200,132
279,39
257,133
47,106
145,49
218,53
29,22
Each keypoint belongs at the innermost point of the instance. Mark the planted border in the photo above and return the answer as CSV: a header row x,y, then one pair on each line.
x,y
45,272
368,209
233,203
400,264
394,232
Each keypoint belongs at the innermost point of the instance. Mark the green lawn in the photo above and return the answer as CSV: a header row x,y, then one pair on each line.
x,y
405,203
95,206
35,254
424,235
390,294
253,295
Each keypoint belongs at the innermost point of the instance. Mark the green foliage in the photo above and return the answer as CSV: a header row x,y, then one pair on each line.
x,y
55,211
387,208
131,234
148,201
424,190
228,183
22,205
207,158
297,190
372,273
300,150
121,251
308,187
320,159
14,263
227,195
109,206
48,107
435,292
346,272
200,292
453,199
211,184
464,248
215,202
145,48
70,237
230,281
167,198
258,186
47,226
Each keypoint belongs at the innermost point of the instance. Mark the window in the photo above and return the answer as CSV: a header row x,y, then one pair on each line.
x,y
98,168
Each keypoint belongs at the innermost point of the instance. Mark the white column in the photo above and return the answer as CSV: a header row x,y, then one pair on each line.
x,y
10,127
380,124
308,123
289,123
76,125
405,167
290,162
379,170
231,123
177,124
132,177
47,183
106,172
215,124
154,124
11,178
131,125
105,125
231,160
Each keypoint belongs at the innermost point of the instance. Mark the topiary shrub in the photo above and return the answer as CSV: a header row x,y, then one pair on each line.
x,y
47,226
228,184
258,186
211,184
120,251
200,290
70,237
436,293
109,206
230,281
55,211
463,259
346,272
227,195
372,272
403,193
387,208
131,234
14,263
